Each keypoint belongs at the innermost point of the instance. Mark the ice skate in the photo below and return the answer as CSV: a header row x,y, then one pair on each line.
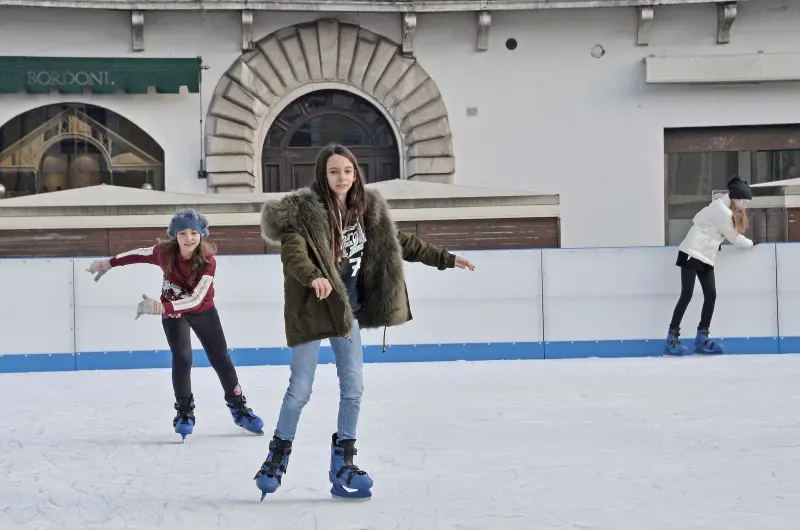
x,y
703,346
268,478
184,421
673,346
244,417
349,482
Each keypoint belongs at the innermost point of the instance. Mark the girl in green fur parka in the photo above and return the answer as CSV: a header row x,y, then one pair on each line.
x,y
343,270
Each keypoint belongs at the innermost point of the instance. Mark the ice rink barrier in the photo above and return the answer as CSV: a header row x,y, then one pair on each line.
x,y
518,304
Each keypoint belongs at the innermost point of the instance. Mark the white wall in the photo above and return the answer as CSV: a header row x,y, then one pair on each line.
x,y
551,117
172,120
551,303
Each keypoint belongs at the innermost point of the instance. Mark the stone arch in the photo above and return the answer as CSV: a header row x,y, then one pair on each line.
x,y
332,53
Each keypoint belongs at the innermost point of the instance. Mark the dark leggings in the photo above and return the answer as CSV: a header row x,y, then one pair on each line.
x,y
709,286
208,328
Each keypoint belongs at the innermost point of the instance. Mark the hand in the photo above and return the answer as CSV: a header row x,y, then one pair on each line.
x,y
149,306
464,263
322,287
99,267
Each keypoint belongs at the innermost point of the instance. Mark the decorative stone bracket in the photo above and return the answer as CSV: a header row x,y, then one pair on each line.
x,y
285,63
409,26
726,15
484,23
644,19
247,31
137,31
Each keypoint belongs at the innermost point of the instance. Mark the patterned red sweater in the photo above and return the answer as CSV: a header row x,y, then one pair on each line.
x,y
177,295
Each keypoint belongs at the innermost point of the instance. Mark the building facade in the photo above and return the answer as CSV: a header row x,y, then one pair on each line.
x,y
632,113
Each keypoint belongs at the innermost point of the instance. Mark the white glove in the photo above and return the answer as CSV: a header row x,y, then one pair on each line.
x,y
149,306
99,267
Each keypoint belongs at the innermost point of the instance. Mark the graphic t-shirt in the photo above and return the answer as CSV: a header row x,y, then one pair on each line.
x,y
353,240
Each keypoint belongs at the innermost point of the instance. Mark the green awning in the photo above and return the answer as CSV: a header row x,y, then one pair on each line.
x,y
73,75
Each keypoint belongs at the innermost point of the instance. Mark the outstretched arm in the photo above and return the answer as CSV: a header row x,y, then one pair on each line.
x,y
417,250
138,255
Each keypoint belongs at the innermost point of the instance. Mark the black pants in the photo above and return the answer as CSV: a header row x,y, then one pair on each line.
x,y
709,286
208,328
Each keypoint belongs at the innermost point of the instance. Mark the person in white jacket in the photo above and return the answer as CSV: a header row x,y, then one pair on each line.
x,y
724,218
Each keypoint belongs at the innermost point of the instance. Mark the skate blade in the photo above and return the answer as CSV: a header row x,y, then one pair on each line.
x,y
350,499
256,433
341,494
253,431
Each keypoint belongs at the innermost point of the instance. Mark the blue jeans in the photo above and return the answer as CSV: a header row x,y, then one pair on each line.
x,y
349,368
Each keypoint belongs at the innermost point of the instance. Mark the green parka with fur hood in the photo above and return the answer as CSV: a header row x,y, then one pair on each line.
x,y
299,223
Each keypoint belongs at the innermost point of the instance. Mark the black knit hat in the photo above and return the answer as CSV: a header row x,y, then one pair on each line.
x,y
739,189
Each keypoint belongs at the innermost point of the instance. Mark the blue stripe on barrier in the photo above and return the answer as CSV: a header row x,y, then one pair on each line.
x,y
122,360
654,347
37,362
790,345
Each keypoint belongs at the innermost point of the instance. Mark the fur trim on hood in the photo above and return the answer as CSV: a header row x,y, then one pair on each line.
x,y
298,208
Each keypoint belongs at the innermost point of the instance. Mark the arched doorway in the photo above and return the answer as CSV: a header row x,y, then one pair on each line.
x,y
73,145
317,119
324,54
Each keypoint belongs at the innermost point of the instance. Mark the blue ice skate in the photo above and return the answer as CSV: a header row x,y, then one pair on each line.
x,y
344,475
704,346
673,346
268,478
184,420
245,417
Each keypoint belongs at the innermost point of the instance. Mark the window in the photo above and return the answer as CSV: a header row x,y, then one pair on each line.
x,y
330,128
700,161
317,119
68,146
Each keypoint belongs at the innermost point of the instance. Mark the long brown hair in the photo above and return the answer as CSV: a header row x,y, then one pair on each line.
x,y
740,220
355,202
201,256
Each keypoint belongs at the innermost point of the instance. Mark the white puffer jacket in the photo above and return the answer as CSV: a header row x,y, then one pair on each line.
x,y
712,225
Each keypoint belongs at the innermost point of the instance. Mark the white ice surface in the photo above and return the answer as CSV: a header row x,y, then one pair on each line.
x,y
639,444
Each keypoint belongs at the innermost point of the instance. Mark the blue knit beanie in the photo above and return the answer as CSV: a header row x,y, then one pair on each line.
x,y
188,219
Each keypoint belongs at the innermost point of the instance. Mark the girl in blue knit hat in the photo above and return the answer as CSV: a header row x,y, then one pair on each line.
x,y
187,303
